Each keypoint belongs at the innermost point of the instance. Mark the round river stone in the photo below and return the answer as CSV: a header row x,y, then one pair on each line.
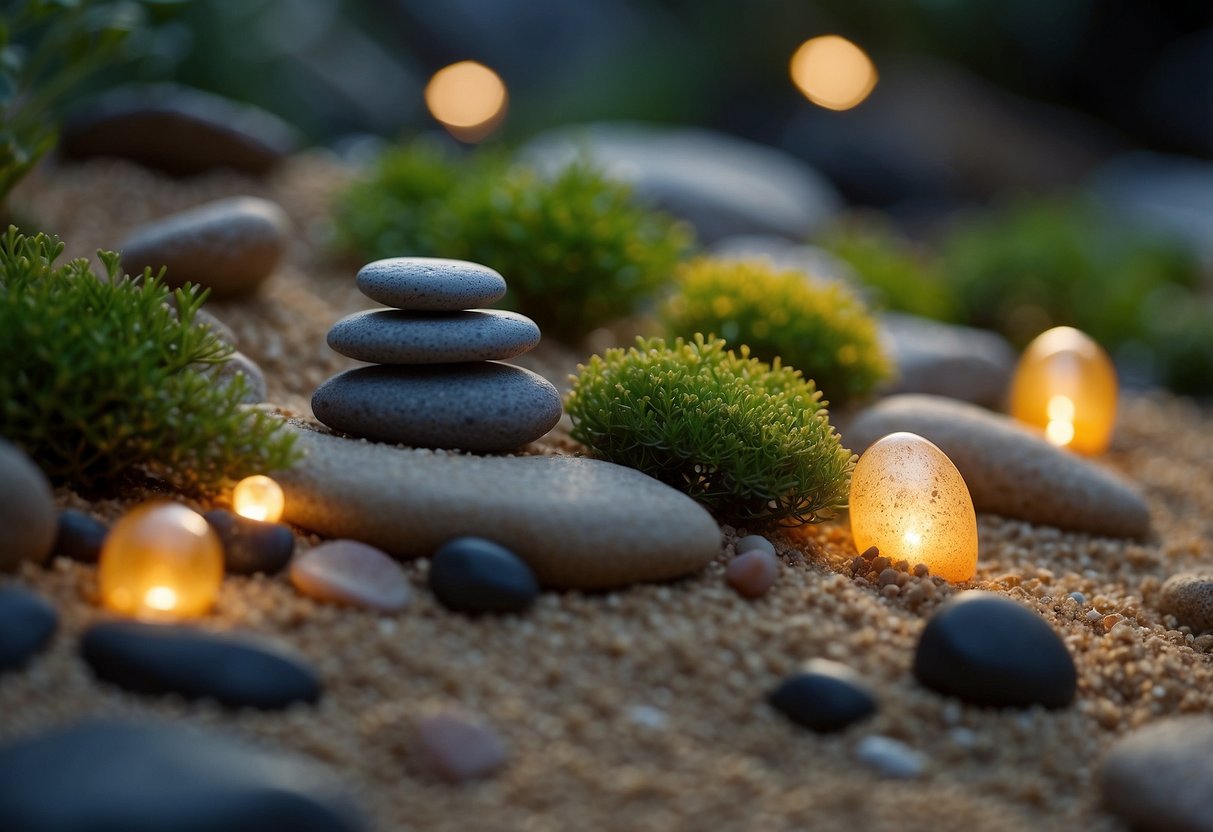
x,y
430,284
390,336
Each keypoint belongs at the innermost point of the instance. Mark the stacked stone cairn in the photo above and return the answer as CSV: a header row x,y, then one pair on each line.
x,y
437,380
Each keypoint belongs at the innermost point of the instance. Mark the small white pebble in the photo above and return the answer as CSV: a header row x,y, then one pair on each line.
x,y
755,541
1079,598
890,757
1159,692
647,716
1094,615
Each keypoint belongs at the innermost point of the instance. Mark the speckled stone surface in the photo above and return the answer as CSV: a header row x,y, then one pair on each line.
x,y
430,284
391,336
1011,470
483,406
28,519
1159,778
579,523
1189,597
230,245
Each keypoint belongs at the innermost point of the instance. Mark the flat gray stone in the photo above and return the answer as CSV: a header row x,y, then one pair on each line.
x,y
578,523
391,336
430,284
483,406
938,359
229,246
1159,778
1010,469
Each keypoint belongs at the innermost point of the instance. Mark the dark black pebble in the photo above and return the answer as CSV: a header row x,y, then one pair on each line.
x,y
153,776
80,536
825,696
986,649
235,671
251,546
472,574
27,623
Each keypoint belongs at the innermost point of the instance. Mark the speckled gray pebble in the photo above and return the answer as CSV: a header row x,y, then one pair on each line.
x,y
230,245
1189,597
430,284
483,407
1159,778
755,541
391,336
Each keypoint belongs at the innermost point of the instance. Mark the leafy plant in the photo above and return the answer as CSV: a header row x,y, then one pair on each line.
x,y
821,328
100,378
750,441
576,250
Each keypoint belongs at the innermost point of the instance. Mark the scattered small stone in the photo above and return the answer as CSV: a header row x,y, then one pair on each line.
x,y
349,572
921,570
79,536
251,546
870,553
230,245
888,577
859,566
460,748
986,649
1079,598
755,541
27,510
1158,778
1189,597
1094,615
752,572
1110,621
890,591
890,757
392,336
27,623
826,696
149,775
475,575
235,671
647,716
430,284
256,389
880,564
902,566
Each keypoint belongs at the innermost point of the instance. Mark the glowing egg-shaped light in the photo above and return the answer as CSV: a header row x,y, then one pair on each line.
x,y
161,560
909,501
833,72
468,98
1065,385
259,498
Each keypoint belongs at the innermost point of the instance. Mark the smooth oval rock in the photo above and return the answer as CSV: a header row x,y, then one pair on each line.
x,y
752,573
236,671
256,389
1159,778
251,546
984,648
28,520
1189,597
229,246
939,359
150,775
483,407
578,523
27,622
178,130
1010,469
755,541
391,336
459,748
471,574
79,536
890,757
430,284
349,572
826,696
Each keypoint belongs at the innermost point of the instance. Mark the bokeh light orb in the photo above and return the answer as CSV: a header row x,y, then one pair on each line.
x,y
909,501
1065,384
468,98
833,72
259,498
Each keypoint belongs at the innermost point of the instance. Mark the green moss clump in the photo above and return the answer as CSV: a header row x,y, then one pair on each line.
x,y
750,441
575,249
100,378
820,327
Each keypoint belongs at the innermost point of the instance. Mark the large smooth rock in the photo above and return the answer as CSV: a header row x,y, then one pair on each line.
x,y
155,776
27,623
28,520
1010,469
721,184
430,284
1159,778
783,253
229,246
483,407
579,523
391,336
939,359
178,130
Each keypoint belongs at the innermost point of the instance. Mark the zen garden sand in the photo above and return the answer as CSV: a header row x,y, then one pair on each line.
x,y
645,708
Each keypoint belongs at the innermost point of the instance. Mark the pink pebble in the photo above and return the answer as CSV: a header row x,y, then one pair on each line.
x,y
349,572
752,573
460,749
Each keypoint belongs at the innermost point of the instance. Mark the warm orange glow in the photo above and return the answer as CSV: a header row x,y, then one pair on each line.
x,y
909,501
259,498
161,561
1065,385
468,98
833,72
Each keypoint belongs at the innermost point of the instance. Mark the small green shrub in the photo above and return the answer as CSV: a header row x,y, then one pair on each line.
x,y
750,441
575,249
820,327
99,377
